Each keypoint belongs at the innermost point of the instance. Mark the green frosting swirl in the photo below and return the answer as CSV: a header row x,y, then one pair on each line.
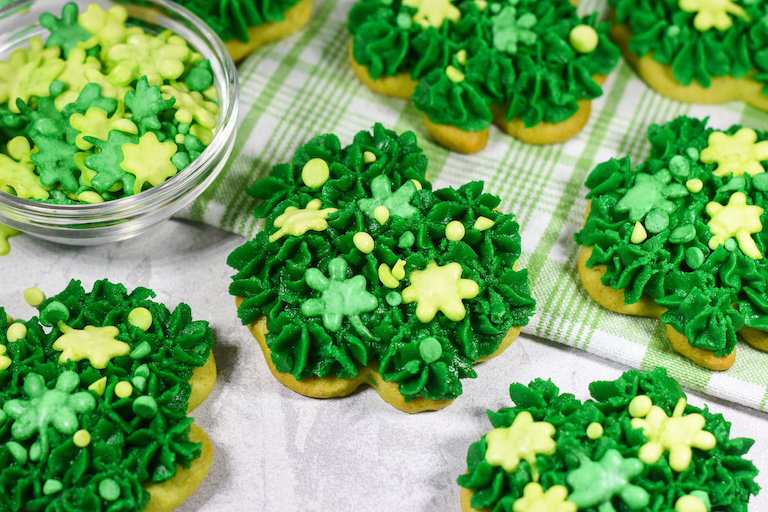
x,y
675,266
133,440
288,279
231,19
660,28
722,473
518,57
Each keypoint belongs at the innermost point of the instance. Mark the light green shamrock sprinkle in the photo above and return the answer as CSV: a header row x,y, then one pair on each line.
x,y
149,161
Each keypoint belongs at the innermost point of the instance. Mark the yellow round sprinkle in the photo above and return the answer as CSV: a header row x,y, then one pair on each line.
x,y
369,157
639,234
123,389
315,173
461,57
364,242
91,197
483,223
179,138
594,431
8,318
640,406
398,271
454,75
583,39
481,5
694,186
690,503
16,331
34,296
418,184
381,214
454,231
82,438
141,318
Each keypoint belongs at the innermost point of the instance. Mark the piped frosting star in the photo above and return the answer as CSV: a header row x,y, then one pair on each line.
x,y
296,222
596,483
737,219
536,500
97,344
523,440
737,154
433,12
439,288
676,434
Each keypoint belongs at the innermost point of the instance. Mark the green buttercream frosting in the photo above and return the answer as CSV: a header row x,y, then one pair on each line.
x,y
518,56
130,441
607,473
661,29
676,266
231,19
328,311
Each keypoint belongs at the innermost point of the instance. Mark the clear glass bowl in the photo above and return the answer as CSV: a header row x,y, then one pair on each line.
x,y
126,217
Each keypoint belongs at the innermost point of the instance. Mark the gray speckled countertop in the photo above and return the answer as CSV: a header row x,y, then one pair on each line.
x,y
279,451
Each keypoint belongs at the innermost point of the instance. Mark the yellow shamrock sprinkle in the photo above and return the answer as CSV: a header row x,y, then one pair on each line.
x,y
523,440
29,73
5,361
737,219
5,233
296,222
712,13
106,27
149,161
676,434
96,123
439,289
97,344
17,174
159,58
534,499
433,12
191,105
739,153
73,74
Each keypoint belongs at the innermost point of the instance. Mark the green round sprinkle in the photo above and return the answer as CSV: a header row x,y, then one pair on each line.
x,y
694,257
35,452
731,245
194,154
169,129
145,406
656,221
407,239
199,78
142,350
192,143
675,191
430,350
495,8
673,31
394,299
57,87
142,371
692,153
54,313
139,383
679,166
109,489
183,128
404,21
760,182
412,366
52,487
683,234
3,417
18,452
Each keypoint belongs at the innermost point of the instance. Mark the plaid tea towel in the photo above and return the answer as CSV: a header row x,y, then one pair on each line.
x,y
303,86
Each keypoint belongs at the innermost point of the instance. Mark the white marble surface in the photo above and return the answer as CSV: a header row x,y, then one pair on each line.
x,y
279,451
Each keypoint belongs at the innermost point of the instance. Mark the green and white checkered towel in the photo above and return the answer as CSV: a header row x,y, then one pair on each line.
x,y
303,86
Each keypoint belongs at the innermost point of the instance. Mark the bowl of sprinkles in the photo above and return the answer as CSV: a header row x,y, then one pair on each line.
x,y
113,116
